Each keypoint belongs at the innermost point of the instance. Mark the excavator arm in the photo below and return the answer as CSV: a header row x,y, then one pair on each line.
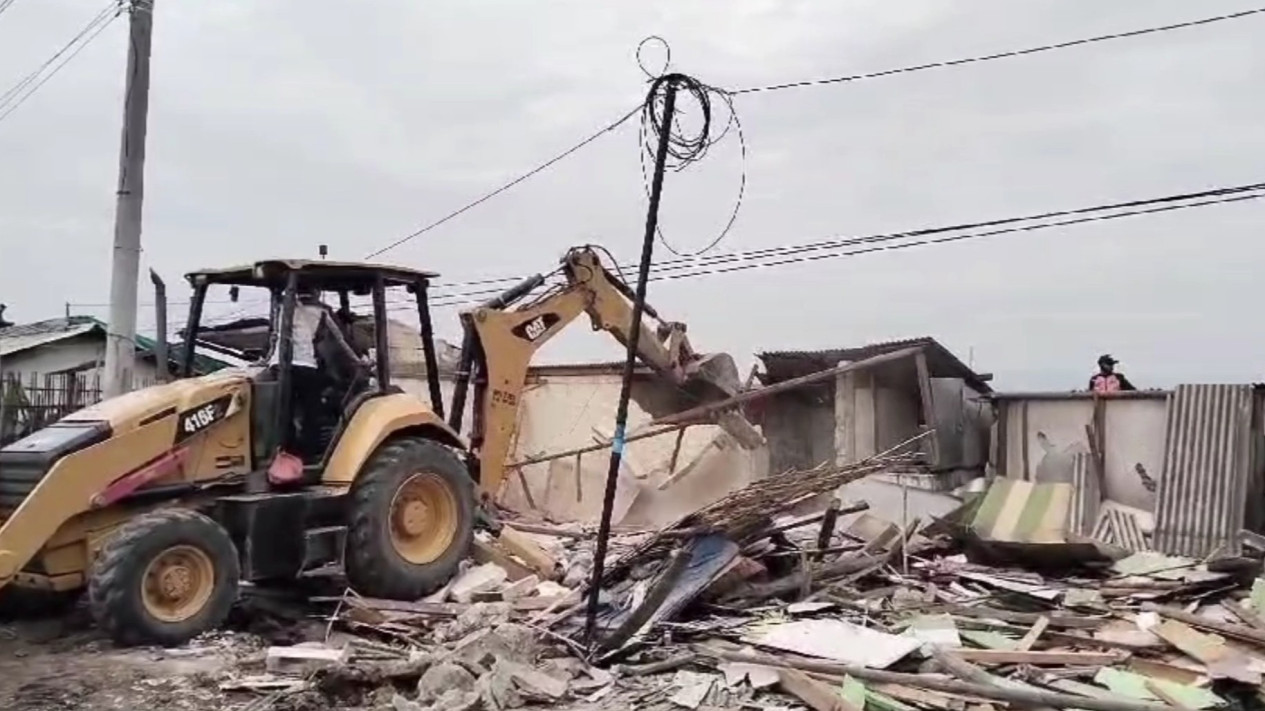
x,y
502,336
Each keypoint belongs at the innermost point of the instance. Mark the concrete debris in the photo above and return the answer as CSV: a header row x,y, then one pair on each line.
x,y
838,640
865,615
692,689
488,576
303,658
442,678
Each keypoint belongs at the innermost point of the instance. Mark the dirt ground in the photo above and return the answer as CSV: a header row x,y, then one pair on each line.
x,y
62,663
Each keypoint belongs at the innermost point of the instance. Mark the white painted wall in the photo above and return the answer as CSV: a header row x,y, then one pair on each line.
x,y
56,357
1055,432
562,412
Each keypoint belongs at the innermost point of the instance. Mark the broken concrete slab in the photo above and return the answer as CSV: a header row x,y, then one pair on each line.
x,y
442,678
520,588
838,640
757,676
536,685
303,659
481,578
692,689
511,642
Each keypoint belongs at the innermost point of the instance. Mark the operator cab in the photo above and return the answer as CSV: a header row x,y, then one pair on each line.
x,y
297,408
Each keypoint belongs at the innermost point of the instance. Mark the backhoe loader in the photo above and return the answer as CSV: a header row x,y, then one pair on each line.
x,y
158,503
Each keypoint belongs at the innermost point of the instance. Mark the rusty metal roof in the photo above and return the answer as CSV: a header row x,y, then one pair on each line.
x,y
1200,504
784,365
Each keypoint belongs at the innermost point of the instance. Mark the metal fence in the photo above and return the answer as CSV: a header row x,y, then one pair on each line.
x,y
29,401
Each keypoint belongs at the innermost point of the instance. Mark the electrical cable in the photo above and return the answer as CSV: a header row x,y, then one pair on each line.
x,y
1003,55
686,148
795,253
5,4
968,236
817,82
676,264
18,94
516,181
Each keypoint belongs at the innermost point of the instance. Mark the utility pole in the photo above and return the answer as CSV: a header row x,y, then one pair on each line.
x,y
120,348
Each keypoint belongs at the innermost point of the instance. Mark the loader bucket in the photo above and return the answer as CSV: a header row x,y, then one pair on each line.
x,y
714,377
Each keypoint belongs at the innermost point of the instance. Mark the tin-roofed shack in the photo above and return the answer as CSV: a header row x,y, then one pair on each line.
x,y
866,411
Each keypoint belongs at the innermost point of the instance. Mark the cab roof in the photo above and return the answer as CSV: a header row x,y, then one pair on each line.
x,y
326,275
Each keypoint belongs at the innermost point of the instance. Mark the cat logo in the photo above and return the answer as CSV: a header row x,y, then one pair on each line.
x,y
535,328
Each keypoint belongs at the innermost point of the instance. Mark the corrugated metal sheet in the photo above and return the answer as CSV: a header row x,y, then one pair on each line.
x,y
1207,465
16,339
784,365
1121,529
1086,495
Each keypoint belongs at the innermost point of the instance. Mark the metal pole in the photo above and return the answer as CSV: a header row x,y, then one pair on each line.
x,y
120,350
422,289
669,84
4,398
161,358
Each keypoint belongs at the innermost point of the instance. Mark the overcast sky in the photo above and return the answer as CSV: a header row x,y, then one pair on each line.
x,y
279,125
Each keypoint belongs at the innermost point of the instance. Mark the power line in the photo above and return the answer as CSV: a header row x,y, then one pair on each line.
x,y
820,82
516,181
17,95
1003,55
4,5
968,236
677,264
827,249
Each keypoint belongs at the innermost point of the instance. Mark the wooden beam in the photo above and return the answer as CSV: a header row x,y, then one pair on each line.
x,y
1044,659
928,403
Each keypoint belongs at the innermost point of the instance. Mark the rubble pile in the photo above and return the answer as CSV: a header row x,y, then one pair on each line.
x,y
742,605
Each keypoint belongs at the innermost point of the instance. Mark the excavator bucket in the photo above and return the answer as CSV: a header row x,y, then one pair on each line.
x,y
714,377
714,372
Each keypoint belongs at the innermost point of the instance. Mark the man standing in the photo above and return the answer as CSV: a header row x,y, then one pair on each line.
x,y
314,333
1108,380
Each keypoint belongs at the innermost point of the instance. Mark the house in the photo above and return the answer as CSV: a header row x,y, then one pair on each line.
x,y
908,388
866,411
49,369
76,344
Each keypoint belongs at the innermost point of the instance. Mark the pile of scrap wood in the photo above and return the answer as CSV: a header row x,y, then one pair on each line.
x,y
742,605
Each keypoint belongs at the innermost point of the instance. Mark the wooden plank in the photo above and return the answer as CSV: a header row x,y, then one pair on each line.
x,y
1008,656
813,693
1033,635
1025,618
1251,618
484,552
521,545
1016,694
1222,661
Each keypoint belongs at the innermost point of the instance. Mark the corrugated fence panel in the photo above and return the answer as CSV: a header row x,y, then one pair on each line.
x,y
1086,495
1203,490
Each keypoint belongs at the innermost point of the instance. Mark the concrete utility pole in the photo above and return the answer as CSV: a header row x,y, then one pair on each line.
x,y
120,349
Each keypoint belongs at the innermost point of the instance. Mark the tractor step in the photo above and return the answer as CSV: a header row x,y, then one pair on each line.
x,y
281,535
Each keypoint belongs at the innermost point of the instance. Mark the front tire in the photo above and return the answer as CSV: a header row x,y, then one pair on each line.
x,y
411,520
163,578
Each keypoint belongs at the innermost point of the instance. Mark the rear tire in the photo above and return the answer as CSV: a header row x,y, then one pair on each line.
x,y
411,520
163,578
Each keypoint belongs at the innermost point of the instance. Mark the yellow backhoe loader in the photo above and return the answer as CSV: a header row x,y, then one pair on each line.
x,y
159,502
